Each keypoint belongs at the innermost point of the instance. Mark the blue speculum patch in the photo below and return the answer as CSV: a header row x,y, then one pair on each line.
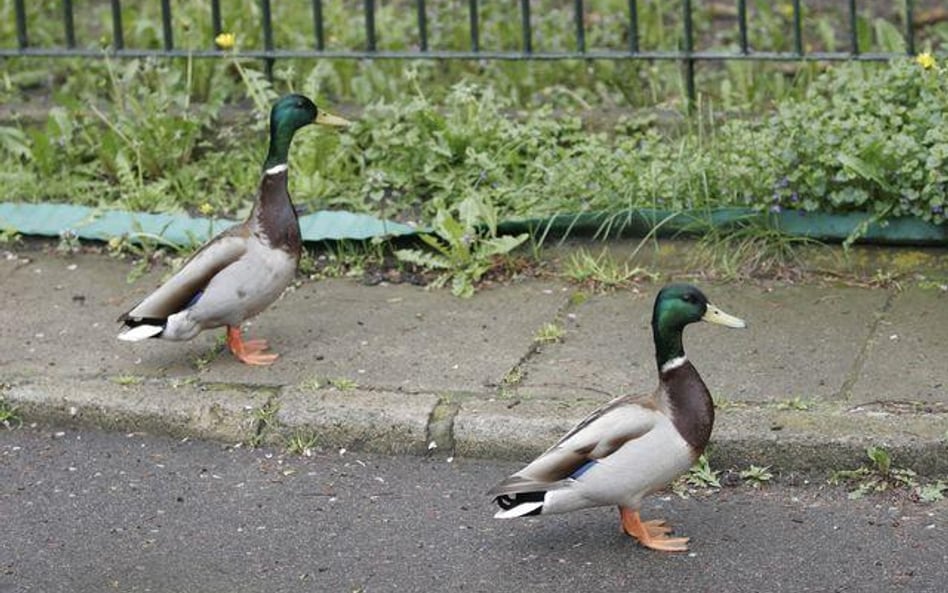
x,y
582,469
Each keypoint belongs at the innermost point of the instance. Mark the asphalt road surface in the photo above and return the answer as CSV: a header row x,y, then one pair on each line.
x,y
84,511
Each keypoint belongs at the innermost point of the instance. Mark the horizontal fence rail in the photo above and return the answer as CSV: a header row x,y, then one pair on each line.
x,y
687,55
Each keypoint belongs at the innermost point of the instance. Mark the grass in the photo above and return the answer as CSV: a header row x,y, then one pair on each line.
x,y
602,273
750,247
461,146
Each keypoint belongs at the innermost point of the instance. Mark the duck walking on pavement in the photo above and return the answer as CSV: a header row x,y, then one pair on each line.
x,y
241,271
632,446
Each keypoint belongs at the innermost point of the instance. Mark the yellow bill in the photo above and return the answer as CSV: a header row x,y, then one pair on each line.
x,y
328,119
715,315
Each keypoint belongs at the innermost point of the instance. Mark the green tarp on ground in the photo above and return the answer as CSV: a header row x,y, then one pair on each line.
x,y
53,220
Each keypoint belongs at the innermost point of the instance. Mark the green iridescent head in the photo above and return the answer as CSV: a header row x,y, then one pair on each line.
x,y
676,306
289,114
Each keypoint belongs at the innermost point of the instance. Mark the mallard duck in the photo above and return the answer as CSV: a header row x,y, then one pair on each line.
x,y
632,446
238,273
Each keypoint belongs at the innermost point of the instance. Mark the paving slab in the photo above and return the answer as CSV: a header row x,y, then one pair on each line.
x,y
866,364
58,316
59,321
800,342
907,356
398,337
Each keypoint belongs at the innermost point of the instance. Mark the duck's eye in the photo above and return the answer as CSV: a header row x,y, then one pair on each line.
x,y
688,298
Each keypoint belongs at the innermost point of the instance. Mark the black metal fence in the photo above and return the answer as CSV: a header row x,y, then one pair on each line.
x,y
687,55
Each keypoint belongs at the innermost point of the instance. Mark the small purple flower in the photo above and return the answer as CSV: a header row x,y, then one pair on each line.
x,y
775,208
782,182
794,197
938,209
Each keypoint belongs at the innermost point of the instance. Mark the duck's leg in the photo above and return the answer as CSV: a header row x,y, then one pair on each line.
x,y
249,352
651,534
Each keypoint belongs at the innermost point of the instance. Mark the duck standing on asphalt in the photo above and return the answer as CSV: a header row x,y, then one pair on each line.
x,y
241,271
632,446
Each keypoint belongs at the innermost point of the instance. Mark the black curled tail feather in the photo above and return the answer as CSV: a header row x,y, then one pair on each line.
x,y
506,501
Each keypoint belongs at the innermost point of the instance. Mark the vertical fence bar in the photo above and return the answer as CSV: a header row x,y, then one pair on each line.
x,y
580,27
267,21
853,28
633,26
21,39
797,29
689,62
318,27
423,25
216,17
525,31
742,24
910,27
166,33
69,24
118,37
370,25
475,25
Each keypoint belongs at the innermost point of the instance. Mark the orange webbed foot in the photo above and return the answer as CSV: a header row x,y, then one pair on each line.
x,y
651,534
250,351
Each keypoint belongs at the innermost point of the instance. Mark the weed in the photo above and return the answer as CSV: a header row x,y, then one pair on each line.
x,y
146,249
69,243
264,417
756,475
797,403
127,380
701,475
202,361
301,444
511,380
312,384
578,298
462,251
549,333
722,402
184,382
9,236
9,415
513,377
878,477
603,273
343,384
932,492
343,259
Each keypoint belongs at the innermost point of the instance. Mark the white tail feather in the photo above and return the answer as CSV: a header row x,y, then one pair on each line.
x,y
518,511
140,332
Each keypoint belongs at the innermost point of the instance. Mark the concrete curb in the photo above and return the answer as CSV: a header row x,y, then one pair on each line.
x,y
808,441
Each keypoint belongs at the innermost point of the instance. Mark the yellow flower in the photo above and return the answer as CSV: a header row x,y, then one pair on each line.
x,y
925,60
206,209
226,40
